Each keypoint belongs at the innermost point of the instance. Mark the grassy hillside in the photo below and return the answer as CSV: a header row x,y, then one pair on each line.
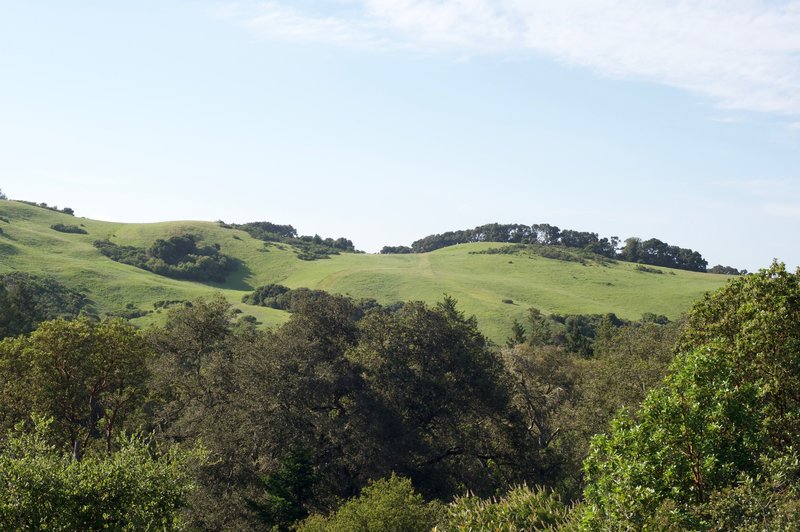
x,y
480,282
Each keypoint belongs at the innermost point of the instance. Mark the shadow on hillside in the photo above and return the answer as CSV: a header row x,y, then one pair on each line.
x,y
236,279
8,249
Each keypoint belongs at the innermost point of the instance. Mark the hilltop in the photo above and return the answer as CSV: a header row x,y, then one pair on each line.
x,y
490,280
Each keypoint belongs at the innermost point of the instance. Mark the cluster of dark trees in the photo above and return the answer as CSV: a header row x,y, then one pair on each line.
x,y
726,270
406,418
68,228
43,205
308,247
562,253
658,253
28,300
652,251
545,234
299,418
290,299
179,257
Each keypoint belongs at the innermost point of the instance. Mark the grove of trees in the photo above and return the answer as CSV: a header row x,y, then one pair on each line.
x,y
179,257
354,417
651,251
307,247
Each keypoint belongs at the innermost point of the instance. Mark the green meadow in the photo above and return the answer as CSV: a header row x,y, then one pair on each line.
x,y
496,288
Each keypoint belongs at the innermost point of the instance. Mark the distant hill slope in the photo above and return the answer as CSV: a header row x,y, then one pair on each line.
x,y
483,284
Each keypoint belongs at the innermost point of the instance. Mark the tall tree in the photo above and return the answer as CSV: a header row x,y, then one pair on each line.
x,y
89,377
729,407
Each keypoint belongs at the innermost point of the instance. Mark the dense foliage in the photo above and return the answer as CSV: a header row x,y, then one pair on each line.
x,y
289,299
27,300
353,416
68,228
726,270
179,257
522,508
417,391
544,234
307,247
658,253
724,425
396,250
88,376
387,504
138,487
582,256
652,251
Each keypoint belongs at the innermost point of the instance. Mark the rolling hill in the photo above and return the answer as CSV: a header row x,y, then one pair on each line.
x,y
497,288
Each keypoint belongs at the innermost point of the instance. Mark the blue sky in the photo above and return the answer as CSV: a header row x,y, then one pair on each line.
x,y
387,120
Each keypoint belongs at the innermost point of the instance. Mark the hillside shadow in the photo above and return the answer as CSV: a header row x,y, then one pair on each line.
x,y
8,249
236,279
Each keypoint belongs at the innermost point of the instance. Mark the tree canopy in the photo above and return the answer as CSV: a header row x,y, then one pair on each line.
x,y
179,257
727,416
651,251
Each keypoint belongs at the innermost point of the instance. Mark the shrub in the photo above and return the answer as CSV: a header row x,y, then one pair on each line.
x,y
66,228
385,505
647,269
135,488
266,295
522,508
388,250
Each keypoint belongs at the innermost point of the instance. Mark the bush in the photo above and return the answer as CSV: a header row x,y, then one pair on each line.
x,y
385,505
266,296
282,298
647,269
135,488
522,508
65,228
388,250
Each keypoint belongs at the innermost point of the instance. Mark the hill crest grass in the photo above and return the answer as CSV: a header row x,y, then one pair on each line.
x,y
497,288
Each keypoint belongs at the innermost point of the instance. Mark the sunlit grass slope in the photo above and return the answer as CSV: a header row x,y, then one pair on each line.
x,y
480,282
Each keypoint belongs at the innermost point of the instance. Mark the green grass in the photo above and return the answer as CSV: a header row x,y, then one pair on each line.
x,y
480,282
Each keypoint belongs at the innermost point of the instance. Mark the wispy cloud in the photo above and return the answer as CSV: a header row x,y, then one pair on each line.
x,y
741,54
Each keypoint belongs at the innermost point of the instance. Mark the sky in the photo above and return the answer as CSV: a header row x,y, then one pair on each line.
x,y
387,120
